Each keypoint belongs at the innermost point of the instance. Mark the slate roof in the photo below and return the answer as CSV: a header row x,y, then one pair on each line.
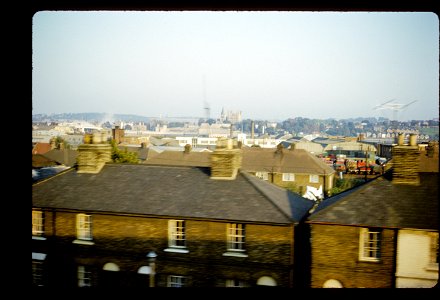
x,y
180,158
297,161
142,153
65,157
40,161
184,192
380,203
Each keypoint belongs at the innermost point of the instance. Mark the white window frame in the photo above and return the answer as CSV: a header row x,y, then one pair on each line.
x,y
433,251
236,283
288,177
84,227
176,281
313,178
84,276
37,222
176,234
262,175
37,273
370,244
236,237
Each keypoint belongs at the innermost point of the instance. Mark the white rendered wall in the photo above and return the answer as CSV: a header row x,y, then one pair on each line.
x,y
414,268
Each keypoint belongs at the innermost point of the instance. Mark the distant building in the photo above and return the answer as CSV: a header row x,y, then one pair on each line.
x,y
230,116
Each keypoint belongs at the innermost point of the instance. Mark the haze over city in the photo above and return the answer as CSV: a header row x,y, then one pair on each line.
x,y
269,65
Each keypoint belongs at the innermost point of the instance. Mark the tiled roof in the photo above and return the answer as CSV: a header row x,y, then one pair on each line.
x,y
41,148
289,161
185,192
381,203
253,160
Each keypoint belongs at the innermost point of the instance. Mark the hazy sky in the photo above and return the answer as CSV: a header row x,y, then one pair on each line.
x,y
269,65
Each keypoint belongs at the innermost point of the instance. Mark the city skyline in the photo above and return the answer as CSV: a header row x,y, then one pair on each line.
x,y
269,65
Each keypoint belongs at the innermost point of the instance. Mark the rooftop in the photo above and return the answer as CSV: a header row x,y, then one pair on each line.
x,y
184,192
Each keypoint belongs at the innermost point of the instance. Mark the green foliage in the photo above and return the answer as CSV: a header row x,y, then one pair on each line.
x,y
293,187
344,184
123,156
60,141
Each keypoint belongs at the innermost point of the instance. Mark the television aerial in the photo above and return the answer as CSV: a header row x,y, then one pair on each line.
x,y
394,106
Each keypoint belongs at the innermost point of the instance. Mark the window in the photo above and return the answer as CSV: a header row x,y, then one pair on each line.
x,y
332,283
369,244
176,281
37,273
236,283
288,177
37,223
176,234
262,175
314,178
84,227
84,276
236,237
433,261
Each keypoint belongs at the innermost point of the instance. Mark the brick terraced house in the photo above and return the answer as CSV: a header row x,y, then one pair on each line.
x,y
382,234
136,225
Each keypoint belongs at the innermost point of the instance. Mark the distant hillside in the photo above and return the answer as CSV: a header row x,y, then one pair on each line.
x,y
90,117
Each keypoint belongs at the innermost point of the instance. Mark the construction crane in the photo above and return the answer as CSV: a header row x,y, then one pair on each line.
x,y
394,106
205,103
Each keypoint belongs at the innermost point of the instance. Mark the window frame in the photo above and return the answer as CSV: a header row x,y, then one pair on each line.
x,y
84,227
433,264
262,175
236,283
84,276
314,178
177,234
370,244
177,281
288,176
37,273
236,236
37,223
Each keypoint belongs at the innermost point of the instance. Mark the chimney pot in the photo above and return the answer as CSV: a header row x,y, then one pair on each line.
x,y
400,139
413,139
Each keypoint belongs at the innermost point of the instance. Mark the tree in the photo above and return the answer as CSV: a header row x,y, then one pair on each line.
x,y
123,156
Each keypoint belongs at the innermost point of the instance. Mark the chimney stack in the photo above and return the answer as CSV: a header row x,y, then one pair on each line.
x,y
252,129
225,160
93,154
187,148
406,160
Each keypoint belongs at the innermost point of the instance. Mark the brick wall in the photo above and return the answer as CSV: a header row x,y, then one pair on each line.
x,y
335,255
125,241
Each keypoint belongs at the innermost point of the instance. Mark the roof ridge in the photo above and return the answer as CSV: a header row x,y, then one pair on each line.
x,y
339,198
252,182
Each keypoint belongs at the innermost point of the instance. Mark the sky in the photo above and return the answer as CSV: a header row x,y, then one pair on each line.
x,y
270,65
